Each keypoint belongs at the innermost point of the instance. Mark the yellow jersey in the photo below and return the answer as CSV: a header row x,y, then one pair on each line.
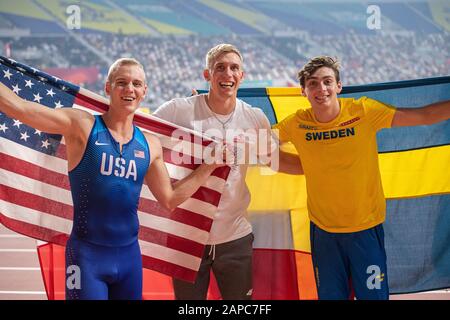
x,y
340,161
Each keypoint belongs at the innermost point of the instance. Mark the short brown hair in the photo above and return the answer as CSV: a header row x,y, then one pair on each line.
x,y
217,51
317,63
122,62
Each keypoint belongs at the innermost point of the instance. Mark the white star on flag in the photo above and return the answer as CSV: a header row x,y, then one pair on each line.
x,y
50,92
24,136
16,89
17,123
7,74
45,144
37,98
38,132
58,104
29,83
3,127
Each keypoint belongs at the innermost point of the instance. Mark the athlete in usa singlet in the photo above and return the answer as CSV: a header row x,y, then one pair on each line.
x,y
103,259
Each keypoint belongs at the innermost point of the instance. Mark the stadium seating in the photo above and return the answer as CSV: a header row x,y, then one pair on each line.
x,y
171,18
26,15
412,17
440,12
298,16
214,12
171,38
97,16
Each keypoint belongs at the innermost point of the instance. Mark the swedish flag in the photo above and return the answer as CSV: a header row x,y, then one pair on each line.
x,y
415,170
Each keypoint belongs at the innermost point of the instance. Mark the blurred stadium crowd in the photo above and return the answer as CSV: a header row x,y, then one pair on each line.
x,y
276,38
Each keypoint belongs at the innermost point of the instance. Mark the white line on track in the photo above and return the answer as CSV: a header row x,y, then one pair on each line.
x,y
18,250
19,269
22,292
436,291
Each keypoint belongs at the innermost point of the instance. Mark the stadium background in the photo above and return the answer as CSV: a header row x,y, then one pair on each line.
x,y
171,37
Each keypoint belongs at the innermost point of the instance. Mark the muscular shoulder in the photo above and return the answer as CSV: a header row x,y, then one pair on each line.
x,y
154,144
254,114
364,106
176,107
76,116
81,122
292,119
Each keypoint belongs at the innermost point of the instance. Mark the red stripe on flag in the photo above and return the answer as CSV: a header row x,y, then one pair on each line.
x,y
171,241
35,172
183,160
205,194
190,162
61,152
274,274
168,130
34,231
32,201
91,103
169,268
222,172
139,120
180,215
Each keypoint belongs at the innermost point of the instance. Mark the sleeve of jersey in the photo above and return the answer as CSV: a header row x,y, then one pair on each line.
x,y
265,136
282,129
166,111
379,114
263,122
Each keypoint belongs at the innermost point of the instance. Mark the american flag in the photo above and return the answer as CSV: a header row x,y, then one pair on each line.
x,y
35,197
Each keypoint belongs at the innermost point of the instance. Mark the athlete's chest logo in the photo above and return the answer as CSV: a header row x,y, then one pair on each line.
x,y
332,134
118,167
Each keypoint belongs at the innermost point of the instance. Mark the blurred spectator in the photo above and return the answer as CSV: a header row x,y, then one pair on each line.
x,y
173,64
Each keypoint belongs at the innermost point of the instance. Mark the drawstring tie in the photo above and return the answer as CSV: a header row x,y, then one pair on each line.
x,y
213,250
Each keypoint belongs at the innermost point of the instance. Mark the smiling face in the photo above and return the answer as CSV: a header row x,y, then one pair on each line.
x,y
225,75
126,87
321,88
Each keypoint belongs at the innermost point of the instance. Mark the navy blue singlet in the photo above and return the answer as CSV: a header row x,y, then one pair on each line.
x,y
106,185
105,188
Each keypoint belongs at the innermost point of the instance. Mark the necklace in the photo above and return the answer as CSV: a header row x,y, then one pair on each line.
x,y
223,123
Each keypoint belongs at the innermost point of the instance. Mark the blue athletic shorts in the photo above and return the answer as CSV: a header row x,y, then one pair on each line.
x,y
350,261
96,272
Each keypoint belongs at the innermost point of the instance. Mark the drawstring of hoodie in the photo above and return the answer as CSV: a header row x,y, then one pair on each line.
x,y
213,250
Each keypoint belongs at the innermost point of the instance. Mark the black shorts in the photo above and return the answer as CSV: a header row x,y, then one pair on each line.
x,y
231,263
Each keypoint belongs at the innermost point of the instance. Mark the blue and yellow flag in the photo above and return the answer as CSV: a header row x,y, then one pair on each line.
x,y
415,169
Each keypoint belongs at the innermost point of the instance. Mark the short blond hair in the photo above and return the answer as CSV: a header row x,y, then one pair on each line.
x,y
217,51
123,62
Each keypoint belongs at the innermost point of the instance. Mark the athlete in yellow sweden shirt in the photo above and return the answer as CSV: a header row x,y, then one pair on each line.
x,y
340,161
336,142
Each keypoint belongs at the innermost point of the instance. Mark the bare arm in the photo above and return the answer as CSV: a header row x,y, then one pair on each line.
x,y
290,163
59,121
172,195
430,114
